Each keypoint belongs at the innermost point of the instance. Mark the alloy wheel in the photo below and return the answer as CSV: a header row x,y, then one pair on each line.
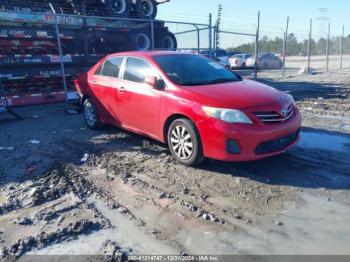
x,y
182,142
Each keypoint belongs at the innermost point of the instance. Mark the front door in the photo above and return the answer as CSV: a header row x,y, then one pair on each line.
x,y
139,103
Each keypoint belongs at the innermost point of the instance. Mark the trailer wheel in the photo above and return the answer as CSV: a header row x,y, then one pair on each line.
x,y
167,41
119,8
146,8
140,41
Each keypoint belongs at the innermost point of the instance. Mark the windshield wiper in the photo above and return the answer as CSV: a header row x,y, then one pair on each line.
x,y
221,80
194,83
211,82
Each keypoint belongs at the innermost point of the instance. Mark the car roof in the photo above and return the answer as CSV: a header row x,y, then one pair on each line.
x,y
148,53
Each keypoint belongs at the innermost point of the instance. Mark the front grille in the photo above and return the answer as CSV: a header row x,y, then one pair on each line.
x,y
275,117
276,145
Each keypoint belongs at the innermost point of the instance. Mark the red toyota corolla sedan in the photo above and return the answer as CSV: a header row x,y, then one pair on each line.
x,y
195,106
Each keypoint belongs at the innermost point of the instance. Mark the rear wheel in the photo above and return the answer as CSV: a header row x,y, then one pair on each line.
x,y
91,116
184,142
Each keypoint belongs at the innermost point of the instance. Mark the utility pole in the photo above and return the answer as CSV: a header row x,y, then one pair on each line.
x,y
328,46
257,47
217,29
210,35
342,48
285,48
309,49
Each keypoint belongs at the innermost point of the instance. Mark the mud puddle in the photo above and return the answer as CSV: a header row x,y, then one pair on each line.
x,y
323,229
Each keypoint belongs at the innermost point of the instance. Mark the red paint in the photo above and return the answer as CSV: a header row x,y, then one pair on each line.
x,y
145,110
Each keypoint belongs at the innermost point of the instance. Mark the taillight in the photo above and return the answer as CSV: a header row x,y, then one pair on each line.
x,y
76,84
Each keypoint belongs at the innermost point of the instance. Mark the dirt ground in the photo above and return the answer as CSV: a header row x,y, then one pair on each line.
x,y
131,197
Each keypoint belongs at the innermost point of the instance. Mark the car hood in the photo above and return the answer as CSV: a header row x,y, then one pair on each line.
x,y
238,95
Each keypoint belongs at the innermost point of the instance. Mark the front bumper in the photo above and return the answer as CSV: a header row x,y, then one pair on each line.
x,y
255,141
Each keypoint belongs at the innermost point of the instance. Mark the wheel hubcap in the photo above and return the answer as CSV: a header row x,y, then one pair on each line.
x,y
90,114
181,142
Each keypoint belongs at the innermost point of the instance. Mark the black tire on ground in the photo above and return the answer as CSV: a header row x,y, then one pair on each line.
x,y
166,41
140,41
92,119
184,142
120,8
146,8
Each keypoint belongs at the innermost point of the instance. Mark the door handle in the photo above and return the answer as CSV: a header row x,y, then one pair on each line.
x,y
122,90
93,82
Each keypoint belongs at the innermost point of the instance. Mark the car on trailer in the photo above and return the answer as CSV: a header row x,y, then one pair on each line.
x,y
29,57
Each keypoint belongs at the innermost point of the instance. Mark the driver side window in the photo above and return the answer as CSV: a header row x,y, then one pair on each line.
x,y
137,69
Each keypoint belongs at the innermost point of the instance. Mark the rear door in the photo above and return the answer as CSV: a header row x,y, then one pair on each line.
x,y
105,84
139,103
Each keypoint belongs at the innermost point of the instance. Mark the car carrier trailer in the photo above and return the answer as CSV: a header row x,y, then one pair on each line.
x,y
29,57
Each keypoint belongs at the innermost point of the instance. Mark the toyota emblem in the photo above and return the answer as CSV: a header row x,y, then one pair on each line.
x,y
284,112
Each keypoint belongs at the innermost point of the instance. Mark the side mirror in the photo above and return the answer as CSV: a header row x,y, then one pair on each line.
x,y
154,82
151,81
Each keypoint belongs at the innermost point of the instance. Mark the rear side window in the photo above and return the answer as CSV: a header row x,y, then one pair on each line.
x,y
111,67
137,69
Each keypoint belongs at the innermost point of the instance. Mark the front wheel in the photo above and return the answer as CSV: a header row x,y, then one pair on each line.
x,y
184,142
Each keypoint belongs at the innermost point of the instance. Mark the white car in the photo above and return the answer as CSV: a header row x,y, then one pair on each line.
x,y
265,61
238,61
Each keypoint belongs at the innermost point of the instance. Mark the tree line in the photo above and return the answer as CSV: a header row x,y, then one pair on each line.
x,y
294,46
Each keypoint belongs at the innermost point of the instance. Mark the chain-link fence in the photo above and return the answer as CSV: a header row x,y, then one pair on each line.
x,y
285,50
42,53
43,49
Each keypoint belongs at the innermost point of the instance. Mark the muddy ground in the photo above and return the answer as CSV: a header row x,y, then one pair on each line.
x,y
131,197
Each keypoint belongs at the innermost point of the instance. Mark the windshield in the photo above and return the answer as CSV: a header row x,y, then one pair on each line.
x,y
193,70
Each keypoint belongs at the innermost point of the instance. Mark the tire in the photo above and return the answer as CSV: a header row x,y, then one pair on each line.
x,y
166,41
90,114
140,41
184,142
120,8
146,9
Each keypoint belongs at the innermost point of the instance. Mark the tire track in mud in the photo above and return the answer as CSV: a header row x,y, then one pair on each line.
x,y
48,211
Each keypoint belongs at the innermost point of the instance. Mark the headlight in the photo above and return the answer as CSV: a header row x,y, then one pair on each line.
x,y
227,115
